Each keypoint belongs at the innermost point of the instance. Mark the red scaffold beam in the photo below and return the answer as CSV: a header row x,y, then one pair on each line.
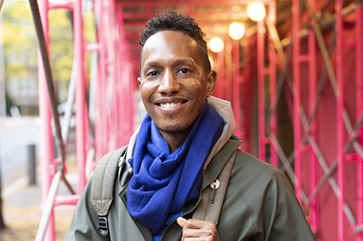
x,y
81,83
236,104
296,93
359,110
272,77
340,121
46,144
261,89
313,219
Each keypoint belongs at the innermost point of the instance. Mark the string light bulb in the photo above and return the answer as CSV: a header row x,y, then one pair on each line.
x,y
256,11
216,44
236,30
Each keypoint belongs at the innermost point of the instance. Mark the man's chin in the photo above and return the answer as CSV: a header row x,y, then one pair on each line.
x,y
172,129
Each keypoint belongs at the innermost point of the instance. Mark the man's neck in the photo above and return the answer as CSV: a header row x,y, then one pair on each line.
x,y
175,140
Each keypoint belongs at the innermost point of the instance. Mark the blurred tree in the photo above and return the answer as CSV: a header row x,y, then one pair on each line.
x,y
61,44
20,44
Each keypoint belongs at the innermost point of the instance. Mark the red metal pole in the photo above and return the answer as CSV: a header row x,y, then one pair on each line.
x,y
297,102
359,109
236,86
125,107
113,82
340,124
220,75
229,71
247,96
272,72
312,93
119,48
80,94
101,96
46,144
261,88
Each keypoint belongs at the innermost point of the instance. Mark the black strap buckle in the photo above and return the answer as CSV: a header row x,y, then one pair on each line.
x,y
103,226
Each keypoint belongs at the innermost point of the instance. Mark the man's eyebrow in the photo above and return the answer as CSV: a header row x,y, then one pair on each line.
x,y
150,63
185,61
155,63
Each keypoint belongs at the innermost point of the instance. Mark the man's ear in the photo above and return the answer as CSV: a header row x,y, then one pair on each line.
x,y
211,82
139,81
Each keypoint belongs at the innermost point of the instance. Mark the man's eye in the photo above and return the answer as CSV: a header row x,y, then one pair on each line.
x,y
184,70
152,73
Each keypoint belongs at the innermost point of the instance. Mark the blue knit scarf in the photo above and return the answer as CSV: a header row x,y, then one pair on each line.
x,y
163,182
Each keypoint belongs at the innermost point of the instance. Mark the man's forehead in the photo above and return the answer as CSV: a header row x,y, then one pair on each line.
x,y
169,37
170,41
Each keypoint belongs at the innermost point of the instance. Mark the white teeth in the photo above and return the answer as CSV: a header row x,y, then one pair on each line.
x,y
170,105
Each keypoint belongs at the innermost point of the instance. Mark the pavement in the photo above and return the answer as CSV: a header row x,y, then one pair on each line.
x,y
22,212
22,204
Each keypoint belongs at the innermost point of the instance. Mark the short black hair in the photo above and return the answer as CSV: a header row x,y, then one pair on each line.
x,y
170,20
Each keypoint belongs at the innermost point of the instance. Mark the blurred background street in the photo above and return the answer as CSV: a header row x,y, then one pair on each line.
x,y
22,208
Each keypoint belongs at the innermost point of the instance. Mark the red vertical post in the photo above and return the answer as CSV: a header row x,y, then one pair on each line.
x,y
221,73
112,63
360,186
236,86
46,144
80,94
126,99
121,53
272,72
111,70
261,88
297,104
247,96
229,71
359,108
98,120
312,93
340,124
101,97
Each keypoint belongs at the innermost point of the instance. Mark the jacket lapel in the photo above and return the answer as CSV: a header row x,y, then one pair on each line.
x,y
218,161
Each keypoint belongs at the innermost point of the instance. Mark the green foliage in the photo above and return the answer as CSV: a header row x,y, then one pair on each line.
x,y
20,44
89,27
61,45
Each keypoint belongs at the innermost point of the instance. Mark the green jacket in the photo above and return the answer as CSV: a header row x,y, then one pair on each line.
x,y
260,204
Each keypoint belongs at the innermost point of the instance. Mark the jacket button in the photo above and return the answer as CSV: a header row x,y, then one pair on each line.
x,y
215,184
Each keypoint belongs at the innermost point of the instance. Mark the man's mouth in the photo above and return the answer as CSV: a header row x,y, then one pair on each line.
x,y
169,105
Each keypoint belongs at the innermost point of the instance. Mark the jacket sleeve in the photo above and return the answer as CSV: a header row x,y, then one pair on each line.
x,y
84,225
283,217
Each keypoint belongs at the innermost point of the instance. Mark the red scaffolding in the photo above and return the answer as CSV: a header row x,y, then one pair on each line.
x,y
316,79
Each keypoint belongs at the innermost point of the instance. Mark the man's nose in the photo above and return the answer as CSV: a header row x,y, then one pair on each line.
x,y
169,85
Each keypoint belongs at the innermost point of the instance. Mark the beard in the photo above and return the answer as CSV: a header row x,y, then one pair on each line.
x,y
174,129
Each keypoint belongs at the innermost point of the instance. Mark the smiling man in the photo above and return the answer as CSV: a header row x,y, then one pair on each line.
x,y
182,177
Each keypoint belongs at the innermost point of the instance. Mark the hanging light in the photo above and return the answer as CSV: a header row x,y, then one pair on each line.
x,y
236,30
216,44
256,11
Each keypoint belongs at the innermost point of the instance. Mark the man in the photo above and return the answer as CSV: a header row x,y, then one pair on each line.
x,y
181,147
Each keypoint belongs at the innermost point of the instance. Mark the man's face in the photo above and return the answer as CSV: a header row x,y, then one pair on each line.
x,y
173,85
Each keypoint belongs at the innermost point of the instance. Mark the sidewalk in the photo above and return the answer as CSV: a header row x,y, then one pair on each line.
x,y
23,210
22,205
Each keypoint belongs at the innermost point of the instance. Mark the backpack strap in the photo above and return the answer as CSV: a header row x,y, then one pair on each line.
x,y
103,184
210,206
